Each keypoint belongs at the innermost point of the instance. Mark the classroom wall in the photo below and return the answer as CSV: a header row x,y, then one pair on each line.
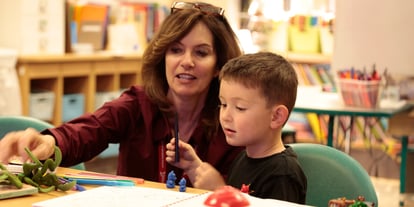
x,y
374,31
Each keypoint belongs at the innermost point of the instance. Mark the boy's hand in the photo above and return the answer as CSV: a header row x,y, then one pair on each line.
x,y
207,177
189,160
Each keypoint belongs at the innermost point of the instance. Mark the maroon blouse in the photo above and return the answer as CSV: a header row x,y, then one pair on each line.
x,y
140,128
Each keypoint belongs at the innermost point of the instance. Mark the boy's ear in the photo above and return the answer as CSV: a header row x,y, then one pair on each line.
x,y
279,116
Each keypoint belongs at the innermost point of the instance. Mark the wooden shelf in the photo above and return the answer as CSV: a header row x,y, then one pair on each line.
x,y
71,73
308,58
91,73
101,56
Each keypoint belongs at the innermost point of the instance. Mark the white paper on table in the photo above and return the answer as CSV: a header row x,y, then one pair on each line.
x,y
110,196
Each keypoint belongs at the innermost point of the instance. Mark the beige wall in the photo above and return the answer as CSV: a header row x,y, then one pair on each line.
x,y
375,31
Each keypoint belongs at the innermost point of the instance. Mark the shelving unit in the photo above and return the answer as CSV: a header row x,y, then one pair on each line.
x,y
90,74
71,73
308,58
303,63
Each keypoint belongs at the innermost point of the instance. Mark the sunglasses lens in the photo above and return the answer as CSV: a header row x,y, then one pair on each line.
x,y
205,8
183,5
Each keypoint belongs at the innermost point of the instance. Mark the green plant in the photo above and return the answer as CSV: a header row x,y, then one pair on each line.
x,y
38,174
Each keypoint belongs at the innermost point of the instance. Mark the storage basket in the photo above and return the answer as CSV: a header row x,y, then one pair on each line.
x,y
42,104
73,105
359,93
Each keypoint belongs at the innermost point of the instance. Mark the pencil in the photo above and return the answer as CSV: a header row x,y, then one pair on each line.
x,y
177,151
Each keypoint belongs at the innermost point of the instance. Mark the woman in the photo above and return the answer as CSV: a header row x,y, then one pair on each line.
x,y
179,72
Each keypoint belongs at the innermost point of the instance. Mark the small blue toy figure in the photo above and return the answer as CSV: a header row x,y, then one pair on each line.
x,y
171,179
183,184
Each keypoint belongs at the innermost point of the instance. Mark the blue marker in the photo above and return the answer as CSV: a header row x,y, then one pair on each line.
x,y
79,188
177,151
86,181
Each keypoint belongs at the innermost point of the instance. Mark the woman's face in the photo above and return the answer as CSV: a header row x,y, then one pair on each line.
x,y
191,63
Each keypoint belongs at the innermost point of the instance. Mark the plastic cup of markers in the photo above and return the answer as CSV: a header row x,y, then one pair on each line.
x,y
359,93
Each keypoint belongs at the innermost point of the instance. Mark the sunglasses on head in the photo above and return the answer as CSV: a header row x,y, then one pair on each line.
x,y
203,7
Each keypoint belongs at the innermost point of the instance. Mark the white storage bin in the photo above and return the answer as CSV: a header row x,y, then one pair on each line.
x,y
102,97
42,105
73,105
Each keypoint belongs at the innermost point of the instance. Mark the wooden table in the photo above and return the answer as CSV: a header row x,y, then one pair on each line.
x,y
313,100
27,201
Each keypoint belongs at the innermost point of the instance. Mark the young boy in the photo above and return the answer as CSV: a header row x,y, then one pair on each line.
x,y
257,95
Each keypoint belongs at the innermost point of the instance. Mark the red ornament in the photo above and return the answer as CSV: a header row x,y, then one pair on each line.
x,y
245,188
226,196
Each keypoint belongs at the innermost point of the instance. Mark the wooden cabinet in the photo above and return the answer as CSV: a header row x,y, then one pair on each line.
x,y
70,73
89,74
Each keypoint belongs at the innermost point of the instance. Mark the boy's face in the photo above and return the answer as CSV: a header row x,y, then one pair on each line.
x,y
244,115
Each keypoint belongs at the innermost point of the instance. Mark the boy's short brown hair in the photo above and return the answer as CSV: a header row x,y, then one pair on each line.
x,y
272,74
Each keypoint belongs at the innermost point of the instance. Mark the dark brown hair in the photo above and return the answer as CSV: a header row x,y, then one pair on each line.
x,y
271,73
173,29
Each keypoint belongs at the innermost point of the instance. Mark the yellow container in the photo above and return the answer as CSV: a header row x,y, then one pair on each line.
x,y
304,34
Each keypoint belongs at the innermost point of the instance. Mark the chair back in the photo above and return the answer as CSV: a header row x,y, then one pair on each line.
x,y
17,123
332,174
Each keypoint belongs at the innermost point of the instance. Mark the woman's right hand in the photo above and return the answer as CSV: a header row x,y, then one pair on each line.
x,y
13,145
